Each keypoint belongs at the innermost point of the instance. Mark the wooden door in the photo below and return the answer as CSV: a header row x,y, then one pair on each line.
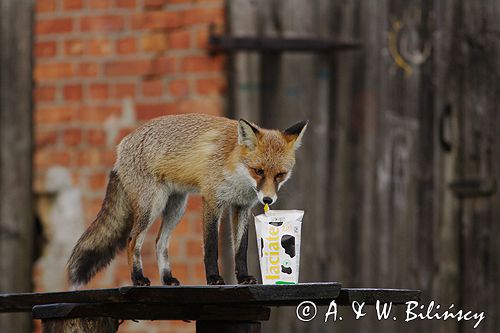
x,y
398,133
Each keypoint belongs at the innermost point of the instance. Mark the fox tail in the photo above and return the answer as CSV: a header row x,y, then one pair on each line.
x,y
105,236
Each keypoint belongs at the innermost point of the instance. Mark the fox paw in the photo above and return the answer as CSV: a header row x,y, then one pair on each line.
x,y
140,280
170,281
215,280
247,279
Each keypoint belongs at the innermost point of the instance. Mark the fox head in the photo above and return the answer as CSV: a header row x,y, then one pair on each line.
x,y
268,156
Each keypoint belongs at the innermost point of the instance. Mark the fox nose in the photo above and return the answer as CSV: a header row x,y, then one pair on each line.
x,y
267,200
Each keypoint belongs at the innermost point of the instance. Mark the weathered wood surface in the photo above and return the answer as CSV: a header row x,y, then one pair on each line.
x,y
179,296
151,311
80,325
190,295
16,219
210,326
476,101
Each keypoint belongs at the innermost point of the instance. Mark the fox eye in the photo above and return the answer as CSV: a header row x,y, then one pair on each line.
x,y
258,171
281,175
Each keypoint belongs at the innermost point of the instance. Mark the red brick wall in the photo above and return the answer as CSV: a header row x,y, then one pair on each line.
x,y
103,67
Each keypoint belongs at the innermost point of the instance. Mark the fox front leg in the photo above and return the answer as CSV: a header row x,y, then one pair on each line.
x,y
239,221
211,216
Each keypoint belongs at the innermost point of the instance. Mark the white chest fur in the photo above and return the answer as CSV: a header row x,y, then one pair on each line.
x,y
238,187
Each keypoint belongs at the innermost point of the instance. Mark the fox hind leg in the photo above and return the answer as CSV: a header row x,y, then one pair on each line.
x,y
172,214
144,217
134,253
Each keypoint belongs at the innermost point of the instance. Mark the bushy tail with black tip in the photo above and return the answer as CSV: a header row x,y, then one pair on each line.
x,y
105,236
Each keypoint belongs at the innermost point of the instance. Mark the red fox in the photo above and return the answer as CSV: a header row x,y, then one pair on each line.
x,y
232,164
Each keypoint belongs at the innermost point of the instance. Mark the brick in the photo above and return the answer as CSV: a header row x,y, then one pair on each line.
x,y
72,137
154,3
149,111
96,137
45,138
44,159
164,65
97,180
125,3
73,47
95,157
154,42
88,69
100,46
53,71
202,38
211,86
202,64
126,45
43,6
45,49
181,271
102,23
201,105
179,88
122,90
193,1
72,92
98,4
156,20
194,248
202,16
97,114
53,26
127,67
98,91
178,40
194,203
197,225
60,114
152,88
44,93
72,4
123,133
108,158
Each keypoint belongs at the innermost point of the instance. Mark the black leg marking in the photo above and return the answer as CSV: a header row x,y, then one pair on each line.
x,y
240,235
211,244
138,278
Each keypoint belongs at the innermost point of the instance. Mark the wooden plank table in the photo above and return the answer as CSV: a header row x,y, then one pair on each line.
x,y
230,308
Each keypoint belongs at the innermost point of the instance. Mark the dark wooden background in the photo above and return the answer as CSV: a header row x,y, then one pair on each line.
x,y
16,219
398,167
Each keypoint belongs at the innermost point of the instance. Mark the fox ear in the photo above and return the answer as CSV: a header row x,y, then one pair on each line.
x,y
247,134
294,133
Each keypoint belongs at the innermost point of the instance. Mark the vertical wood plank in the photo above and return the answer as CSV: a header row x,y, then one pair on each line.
x,y
16,220
296,87
479,157
244,102
446,229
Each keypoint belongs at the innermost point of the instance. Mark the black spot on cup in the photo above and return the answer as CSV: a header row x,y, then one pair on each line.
x,y
276,224
261,247
286,270
288,243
